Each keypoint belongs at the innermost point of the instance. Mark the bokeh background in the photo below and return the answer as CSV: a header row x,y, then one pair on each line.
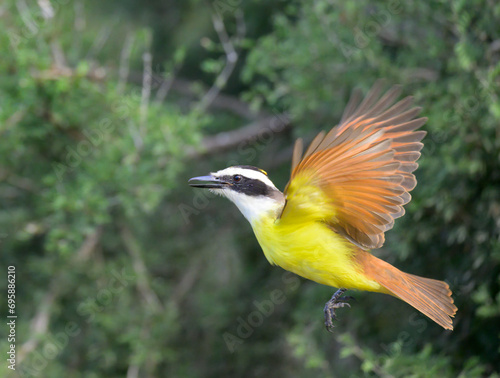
x,y
108,108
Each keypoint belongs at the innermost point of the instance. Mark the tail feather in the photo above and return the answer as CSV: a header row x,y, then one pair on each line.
x,y
431,297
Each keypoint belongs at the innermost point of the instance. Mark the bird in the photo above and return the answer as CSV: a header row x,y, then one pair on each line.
x,y
344,193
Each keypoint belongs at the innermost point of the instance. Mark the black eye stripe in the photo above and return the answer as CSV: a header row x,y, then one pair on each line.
x,y
231,178
248,186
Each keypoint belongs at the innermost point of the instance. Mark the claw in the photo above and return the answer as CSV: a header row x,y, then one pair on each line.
x,y
337,301
347,298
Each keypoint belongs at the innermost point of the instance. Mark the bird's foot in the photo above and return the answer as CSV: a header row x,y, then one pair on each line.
x,y
337,301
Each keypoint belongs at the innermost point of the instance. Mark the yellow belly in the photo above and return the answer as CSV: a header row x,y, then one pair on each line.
x,y
314,251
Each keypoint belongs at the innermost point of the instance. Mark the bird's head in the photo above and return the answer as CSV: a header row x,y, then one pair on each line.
x,y
248,187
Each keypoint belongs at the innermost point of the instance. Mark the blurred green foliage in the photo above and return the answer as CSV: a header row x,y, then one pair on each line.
x,y
122,270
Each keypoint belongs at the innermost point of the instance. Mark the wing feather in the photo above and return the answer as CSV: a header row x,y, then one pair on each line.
x,y
363,166
298,149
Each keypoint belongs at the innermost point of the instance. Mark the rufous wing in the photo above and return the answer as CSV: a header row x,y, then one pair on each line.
x,y
364,165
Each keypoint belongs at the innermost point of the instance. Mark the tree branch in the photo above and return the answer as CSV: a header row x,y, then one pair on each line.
x,y
165,86
58,55
187,281
25,13
221,102
100,41
46,8
41,320
231,59
146,91
230,139
124,68
140,269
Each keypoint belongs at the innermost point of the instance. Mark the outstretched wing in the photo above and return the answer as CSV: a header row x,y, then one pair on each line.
x,y
362,169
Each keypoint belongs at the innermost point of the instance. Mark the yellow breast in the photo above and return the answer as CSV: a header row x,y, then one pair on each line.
x,y
311,250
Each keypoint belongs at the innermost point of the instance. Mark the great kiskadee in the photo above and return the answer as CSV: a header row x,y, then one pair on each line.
x,y
343,195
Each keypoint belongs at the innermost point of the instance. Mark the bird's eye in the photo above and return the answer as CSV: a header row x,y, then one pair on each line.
x,y
237,178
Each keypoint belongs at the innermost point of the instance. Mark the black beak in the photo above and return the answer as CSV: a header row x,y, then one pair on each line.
x,y
210,182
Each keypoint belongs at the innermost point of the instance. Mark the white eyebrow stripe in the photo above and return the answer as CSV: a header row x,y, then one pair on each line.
x,y
250,173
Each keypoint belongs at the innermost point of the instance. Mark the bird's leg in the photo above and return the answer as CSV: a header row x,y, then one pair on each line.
x,y
337,301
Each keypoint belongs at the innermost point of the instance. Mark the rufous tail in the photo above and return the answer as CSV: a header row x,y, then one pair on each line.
x,y
430,297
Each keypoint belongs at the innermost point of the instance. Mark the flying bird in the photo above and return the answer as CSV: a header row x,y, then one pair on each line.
x,y
344,193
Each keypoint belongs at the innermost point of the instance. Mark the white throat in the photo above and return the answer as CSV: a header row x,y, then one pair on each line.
x,y
253,208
